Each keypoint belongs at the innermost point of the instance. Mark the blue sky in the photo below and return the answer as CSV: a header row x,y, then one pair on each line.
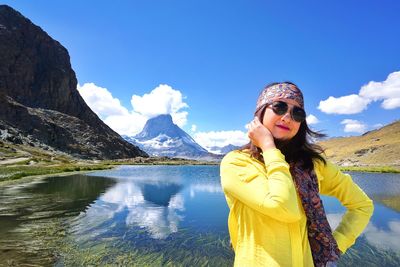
x,y
212,58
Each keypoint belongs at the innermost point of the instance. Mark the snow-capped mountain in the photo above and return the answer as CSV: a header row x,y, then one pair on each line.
x,y
223,150
161,137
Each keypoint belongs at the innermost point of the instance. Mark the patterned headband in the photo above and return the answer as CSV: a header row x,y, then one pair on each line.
x,y
280,90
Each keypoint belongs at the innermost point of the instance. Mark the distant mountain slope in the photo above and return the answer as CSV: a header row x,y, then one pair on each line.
x,y
223,150
375,148
39,102
161,137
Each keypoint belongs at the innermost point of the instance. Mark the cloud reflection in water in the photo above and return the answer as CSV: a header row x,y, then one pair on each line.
x,y
378,237
152,206
208,188
384,239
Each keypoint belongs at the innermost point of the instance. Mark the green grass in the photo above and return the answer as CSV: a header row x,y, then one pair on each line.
x,y
43,166
158,161
23,169
195,250
185,248
380,169
16,172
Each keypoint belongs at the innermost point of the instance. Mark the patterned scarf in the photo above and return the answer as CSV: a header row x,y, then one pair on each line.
x,y
323,246
280,91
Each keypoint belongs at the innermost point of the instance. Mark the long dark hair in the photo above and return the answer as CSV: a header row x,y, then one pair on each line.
x,y
299,148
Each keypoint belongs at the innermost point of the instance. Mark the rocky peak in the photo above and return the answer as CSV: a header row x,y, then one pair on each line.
x,y
161,137
162,124
36,69
39,95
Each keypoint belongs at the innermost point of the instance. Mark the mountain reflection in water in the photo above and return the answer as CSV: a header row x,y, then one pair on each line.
x,y
160,194
153,207
28,211
158,215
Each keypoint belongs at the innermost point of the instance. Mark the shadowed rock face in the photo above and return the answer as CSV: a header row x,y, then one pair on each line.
x,y
39,95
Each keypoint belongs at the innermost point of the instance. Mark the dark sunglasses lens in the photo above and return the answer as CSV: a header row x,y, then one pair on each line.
x,y
298,114
279,108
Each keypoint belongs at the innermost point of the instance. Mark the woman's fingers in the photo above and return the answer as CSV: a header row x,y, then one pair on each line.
x,y
255,130
259,135
254,123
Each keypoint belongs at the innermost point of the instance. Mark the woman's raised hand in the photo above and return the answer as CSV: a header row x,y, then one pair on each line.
x,y
259,135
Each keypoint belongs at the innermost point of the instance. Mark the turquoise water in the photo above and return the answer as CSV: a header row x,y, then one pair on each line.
x,y
159,215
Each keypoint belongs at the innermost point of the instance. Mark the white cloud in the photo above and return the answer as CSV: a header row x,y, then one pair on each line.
x,y
391,103
162,100
194,127
221,138
101,101
180,118
311,119
387,91
129,124
350,104
354,126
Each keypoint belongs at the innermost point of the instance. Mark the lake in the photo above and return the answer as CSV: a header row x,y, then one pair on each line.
x,y
158,215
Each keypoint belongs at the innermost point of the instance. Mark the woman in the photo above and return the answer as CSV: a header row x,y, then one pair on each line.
x,y
272,188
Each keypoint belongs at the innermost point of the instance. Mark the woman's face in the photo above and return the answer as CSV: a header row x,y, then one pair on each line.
x,y
282,127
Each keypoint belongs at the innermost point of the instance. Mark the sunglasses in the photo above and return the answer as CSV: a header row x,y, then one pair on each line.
x,y
281,108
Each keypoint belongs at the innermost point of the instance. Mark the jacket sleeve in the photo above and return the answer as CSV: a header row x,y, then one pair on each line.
x,y
359,206
270,191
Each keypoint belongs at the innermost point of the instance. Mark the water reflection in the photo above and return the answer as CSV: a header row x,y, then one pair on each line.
x,y
383,238
162,215
381,187
30,213
50,197
159,194
154,198
208,188
152,206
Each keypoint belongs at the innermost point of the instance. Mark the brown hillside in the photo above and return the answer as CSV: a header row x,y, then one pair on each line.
x,y
375,148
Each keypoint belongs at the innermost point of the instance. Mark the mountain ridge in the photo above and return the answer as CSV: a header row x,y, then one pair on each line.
x,y
162,137
38,87
378,147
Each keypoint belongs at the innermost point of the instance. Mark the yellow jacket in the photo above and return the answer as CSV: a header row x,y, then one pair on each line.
x,y
267,223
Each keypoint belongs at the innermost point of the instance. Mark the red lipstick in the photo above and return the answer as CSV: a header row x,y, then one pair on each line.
x,y
283,127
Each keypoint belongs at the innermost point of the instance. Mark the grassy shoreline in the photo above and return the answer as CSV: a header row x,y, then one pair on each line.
x,y
24,172
379,169
19,161
17,174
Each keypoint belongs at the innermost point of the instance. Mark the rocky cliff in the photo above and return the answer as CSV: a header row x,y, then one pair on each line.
x,y
38,96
